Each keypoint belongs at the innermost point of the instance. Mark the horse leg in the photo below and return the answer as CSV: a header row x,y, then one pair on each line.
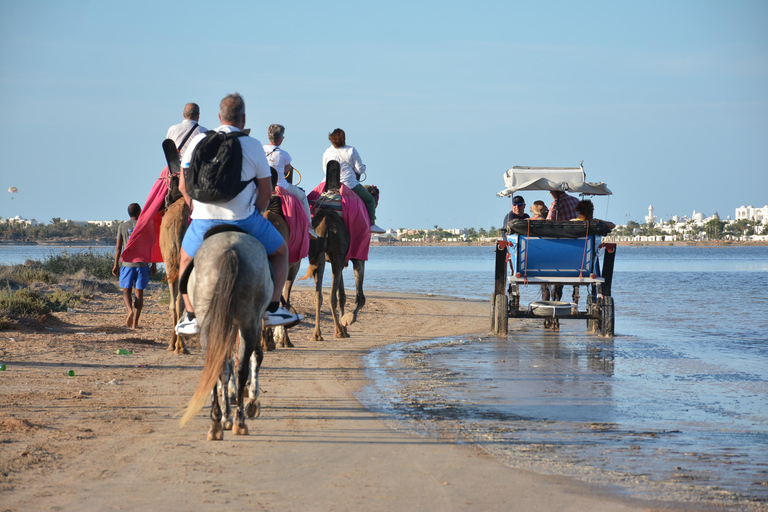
x,y
252,407
225,394
575,309
545,296
267,339
215,433
173,288
281,333
557,294
350,318
181,348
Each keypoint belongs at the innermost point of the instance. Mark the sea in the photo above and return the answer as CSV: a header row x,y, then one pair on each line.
x,y
675,404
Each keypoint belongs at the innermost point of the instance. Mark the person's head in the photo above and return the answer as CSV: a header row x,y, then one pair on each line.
x,y
232,110
556,193
586,209
338,138
539,209
276,133
518,205
134,210
191,111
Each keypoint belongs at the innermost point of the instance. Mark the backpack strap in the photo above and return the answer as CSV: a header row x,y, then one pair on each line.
x,y
184,140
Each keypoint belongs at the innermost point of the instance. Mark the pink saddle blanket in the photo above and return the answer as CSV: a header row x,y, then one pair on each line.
x,y
355,217
298,224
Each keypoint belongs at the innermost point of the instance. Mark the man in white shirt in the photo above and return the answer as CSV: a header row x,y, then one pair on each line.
x,y
280,160
243,211
183,133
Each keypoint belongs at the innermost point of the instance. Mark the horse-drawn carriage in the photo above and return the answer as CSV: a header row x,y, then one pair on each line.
x,y
553,254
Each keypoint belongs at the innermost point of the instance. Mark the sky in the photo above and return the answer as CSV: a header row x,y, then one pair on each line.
x,y
664,101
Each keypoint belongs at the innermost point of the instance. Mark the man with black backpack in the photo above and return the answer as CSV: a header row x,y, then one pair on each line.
x,y
183,132
226,180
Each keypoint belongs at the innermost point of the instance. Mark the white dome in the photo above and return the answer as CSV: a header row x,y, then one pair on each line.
x,y
698,216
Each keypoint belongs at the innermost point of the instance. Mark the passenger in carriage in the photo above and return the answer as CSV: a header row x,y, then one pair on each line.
x,y
518,210
280,160
563,207
539,210
351,168
585,212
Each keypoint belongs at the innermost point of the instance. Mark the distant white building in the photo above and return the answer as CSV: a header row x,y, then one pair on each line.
x,y
21,220
650,218
102,222
751,213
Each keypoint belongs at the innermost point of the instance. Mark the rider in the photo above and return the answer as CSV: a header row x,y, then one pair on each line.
x,y
280,160
351,168
243,211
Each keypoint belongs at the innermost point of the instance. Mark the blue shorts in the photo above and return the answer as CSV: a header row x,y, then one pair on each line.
x,y
134,277
255,225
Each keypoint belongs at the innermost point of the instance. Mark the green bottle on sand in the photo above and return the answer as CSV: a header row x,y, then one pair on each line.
x,y
124,352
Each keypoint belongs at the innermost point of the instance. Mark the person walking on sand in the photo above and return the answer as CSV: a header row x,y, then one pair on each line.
x,y
183,132
351,168
280,160
134,277
243,211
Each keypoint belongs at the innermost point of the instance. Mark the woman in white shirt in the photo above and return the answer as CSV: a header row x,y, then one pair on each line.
x,y
351,167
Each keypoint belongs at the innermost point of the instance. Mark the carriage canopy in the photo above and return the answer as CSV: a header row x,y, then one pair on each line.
x,y
569,179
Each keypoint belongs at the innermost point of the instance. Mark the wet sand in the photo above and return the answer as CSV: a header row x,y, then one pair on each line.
x,y
109,438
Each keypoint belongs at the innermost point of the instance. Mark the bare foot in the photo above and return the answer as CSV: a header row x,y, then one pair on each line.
x,y
129,320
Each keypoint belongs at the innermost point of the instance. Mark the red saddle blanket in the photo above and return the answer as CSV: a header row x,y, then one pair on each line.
x,y
144,242
298,224
355,217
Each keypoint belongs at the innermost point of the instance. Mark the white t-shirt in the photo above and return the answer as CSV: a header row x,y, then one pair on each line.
x,y
278,158
177,132
350,161
254,165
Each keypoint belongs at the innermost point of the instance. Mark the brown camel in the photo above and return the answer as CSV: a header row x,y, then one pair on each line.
x,y
172,229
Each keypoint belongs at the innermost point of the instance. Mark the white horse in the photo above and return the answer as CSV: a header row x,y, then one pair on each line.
x,y
230,286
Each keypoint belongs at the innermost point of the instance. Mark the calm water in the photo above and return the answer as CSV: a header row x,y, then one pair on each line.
x,y
676,400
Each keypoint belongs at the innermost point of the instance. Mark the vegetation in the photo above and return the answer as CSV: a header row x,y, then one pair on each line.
x,y
34,290
56,230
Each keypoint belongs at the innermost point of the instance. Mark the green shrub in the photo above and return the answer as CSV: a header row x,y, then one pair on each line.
x,y
96,264
24,302
26,274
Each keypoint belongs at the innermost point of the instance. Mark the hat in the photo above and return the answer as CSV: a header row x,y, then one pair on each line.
x,y
518,200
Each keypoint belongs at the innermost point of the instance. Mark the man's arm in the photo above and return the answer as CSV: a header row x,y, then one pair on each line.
x,y
183,189
118,251
264,193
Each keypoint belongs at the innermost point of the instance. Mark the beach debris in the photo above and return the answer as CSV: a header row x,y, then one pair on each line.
x,y
114,382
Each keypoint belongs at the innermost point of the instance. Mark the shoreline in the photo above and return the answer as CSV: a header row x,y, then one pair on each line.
x,y
314,446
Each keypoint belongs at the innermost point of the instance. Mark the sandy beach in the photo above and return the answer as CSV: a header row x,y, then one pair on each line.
x,y
109,439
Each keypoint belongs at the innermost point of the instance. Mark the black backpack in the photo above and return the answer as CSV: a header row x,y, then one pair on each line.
x,y
213,175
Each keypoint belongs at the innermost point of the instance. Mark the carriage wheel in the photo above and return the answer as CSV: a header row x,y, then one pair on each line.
x,y
593,324
500,320
606,316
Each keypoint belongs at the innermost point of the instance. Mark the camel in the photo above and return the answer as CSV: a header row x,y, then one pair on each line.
x,y
332,245
172,229
231,287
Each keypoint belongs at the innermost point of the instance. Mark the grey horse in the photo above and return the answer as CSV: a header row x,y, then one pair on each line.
x,y
230,286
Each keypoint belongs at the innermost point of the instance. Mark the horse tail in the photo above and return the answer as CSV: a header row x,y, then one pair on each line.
x,y
218,330
316,256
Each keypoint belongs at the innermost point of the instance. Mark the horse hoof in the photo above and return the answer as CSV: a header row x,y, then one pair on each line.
x,y
317,338
227,424
171,347
216,435
253,409
288,344
241,430
348,319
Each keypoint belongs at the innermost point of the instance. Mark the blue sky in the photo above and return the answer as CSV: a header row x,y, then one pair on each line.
x,y
665,101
